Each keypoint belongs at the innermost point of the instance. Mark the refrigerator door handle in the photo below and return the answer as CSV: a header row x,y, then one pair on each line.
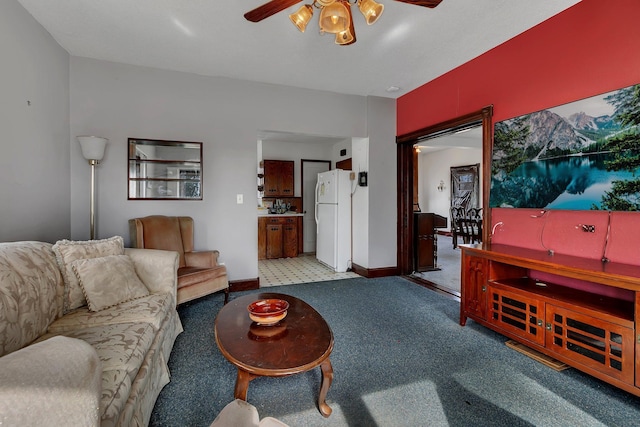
x,y
315,213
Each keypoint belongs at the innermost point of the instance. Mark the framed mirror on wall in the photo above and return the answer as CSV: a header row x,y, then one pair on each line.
x,y
164,170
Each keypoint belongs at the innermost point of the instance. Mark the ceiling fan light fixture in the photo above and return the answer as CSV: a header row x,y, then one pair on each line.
x,y
334,18
335,15
302,17
345,38
371,10
348,36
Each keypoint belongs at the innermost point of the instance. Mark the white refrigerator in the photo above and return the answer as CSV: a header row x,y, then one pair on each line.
x,y
333,219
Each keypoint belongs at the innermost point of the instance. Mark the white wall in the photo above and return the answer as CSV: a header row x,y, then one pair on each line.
x,y
118,101
360,205
44,181
34,129
434,167
335,150
382,208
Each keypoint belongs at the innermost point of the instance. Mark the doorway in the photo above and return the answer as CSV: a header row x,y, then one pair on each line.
x,y
441,181
309,169
406,179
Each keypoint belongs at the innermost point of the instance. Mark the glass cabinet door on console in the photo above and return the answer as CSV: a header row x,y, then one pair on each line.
x,y
601,345
517,313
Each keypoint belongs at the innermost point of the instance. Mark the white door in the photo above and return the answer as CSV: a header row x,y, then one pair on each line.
x,y
310,171
327,231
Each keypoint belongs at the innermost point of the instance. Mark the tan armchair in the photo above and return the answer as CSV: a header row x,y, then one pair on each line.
x,y
199,273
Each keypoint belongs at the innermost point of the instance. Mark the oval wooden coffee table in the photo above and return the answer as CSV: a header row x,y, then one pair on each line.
x,y
300,342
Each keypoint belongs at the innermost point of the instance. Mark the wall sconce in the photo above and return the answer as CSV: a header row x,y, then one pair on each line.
x,y
441,186
93,150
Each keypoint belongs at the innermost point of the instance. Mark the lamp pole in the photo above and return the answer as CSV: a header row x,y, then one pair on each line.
x,y
92,205
92,150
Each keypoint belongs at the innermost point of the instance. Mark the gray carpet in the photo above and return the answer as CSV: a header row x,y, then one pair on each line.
x,y
400,359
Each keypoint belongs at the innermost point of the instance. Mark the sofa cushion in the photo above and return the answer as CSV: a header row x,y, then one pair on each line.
x,y
108,281
115,384
29,293
68,251
150,309
120,346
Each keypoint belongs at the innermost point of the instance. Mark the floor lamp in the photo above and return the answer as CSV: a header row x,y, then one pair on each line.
x,y
92,150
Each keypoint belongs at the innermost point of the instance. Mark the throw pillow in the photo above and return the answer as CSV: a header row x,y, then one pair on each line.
x,y
108,281
68,251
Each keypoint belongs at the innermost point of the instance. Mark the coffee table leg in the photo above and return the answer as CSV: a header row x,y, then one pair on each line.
x,y
327,378
242,384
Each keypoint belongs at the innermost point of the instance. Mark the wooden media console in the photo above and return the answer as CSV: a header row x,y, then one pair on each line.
x,y
583,312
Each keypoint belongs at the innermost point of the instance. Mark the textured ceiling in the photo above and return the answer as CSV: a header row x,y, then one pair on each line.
x,y
407,47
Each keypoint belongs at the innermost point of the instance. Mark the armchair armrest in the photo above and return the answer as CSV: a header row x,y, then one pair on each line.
x,y
157,269
54,382
202,259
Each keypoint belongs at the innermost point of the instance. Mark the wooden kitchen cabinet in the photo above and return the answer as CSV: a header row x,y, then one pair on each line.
x,y
290,238
262,237
279,236
274,241
278,178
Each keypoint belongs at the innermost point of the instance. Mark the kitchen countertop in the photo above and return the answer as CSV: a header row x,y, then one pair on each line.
x,y
264,212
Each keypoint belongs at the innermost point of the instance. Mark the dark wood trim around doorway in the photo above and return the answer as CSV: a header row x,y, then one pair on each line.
x,y
344,164
371,273
405,166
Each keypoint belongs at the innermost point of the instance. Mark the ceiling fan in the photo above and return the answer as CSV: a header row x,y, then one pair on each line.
x,y
335,15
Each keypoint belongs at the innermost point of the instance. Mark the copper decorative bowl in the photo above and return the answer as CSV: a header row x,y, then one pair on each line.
x,y
268,311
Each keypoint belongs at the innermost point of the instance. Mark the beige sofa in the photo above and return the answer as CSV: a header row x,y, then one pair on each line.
x,y
98,357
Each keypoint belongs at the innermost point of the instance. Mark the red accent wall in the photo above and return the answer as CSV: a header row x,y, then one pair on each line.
x,y
590,48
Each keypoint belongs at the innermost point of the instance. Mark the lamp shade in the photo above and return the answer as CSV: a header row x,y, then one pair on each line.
x,y
370,10
302,17
334,18
92,147
347,36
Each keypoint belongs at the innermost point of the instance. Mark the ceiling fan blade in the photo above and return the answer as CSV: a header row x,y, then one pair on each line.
x,y
268,9
425,3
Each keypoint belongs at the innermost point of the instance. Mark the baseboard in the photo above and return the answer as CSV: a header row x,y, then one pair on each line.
x,y
371,273
244,285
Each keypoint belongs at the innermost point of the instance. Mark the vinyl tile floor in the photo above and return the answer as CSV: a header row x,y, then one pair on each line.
x,y
302,269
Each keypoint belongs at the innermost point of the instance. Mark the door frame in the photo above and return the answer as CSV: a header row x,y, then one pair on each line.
x,y
405,174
